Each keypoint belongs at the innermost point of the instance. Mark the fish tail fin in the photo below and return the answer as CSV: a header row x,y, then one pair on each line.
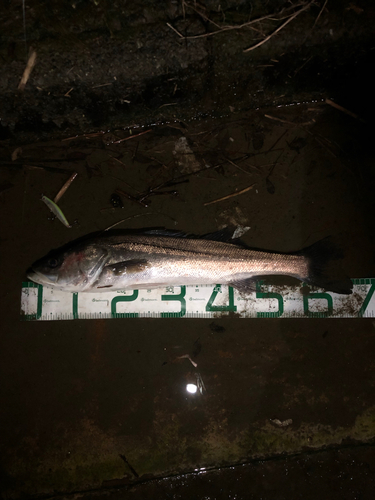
x,y
324,270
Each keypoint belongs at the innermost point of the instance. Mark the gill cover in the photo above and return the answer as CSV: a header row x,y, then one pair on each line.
x,y
72,270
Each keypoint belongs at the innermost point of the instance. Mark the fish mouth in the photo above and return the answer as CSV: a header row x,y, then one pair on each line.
x,y
39,278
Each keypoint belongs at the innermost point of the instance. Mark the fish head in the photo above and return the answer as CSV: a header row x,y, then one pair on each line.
x,y
71,270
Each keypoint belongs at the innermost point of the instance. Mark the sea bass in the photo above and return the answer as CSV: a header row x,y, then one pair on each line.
x,y
158,258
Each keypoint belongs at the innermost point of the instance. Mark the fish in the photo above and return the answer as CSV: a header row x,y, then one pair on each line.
x,y
122,260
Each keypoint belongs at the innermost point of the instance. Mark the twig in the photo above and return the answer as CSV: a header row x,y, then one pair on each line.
x,y
102,85
320,13
277,140
230,28
288,122
29,66
127,218
302,65
221,30
86,136
242,169
132,136
174,29
122,180
293,16
39,167
130,197
230,195
134,472
65,187
24,23
344,110
167,104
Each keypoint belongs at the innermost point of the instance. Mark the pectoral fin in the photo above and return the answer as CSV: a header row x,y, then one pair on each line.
x,y
128,267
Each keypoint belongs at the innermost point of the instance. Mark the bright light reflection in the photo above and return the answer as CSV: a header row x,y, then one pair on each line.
x,y
192,388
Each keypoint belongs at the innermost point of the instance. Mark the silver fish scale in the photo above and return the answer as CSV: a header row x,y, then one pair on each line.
x,y
186,247
189,261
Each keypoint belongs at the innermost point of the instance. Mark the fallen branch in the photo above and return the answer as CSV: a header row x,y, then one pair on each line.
x,y
271,17
222,29
320,13
344,110
86,136
29,66
281,120
293,16
65,187
132,136
230,195
127,218
242,169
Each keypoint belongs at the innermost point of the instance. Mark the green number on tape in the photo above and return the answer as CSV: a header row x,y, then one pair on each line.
x,y
123,298
367,300
75,305
269,295
38,314
320,314
230,307
181,298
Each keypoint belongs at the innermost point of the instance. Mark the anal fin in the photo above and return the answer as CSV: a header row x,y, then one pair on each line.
x,y
248,285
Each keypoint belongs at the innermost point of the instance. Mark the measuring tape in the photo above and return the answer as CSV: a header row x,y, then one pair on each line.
x,y
199,301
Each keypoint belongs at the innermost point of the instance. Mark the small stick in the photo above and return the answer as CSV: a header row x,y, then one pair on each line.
x,y
344,110
281,136
122,180
280,27
40,167
132,136
279,119
127,218
288,122
87,136
130,197
65,187
174,29
229,28
29,66
102,85
320,13
242,169
230,195
168,104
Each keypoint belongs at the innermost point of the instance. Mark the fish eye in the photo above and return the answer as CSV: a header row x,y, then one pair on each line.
x,y
53,263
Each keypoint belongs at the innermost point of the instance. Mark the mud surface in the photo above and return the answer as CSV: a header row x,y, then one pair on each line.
x,y
102,65
344,473
99,407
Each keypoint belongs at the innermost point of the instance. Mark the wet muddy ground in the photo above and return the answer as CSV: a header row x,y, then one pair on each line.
x,y
98,408
98,405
